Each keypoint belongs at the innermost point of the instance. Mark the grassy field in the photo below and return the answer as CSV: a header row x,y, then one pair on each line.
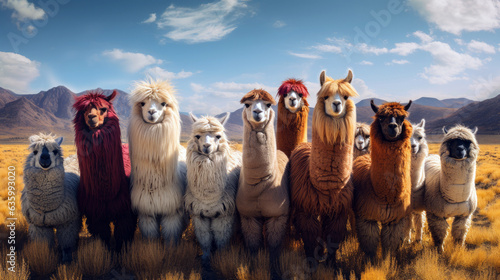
x,y
479,259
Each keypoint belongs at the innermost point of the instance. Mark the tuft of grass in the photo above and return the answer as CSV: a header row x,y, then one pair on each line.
x,y
42,259
144,257
22,271
94,259
182,258
428,267
227,262
67,272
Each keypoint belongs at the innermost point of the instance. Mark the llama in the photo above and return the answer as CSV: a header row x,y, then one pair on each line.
x,y
293,111
361,140
382,181
213,170
320,172
262,198
103,193
48,199
158,176
450,189
419,151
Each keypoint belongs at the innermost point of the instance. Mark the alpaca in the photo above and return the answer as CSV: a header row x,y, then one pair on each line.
x,y
48,199
382,181
320,172
293,111
450,189
213,170
103,193
419,151
262,198
158,176
361,140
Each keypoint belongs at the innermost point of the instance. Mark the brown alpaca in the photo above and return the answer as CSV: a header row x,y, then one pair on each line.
x,y
293,111
382,181
320,172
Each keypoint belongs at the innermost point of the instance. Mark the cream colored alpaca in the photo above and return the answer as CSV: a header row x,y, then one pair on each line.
x,y
213,170
158,175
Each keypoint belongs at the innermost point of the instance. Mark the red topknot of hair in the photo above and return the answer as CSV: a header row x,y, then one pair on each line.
x,y
293,85
94,98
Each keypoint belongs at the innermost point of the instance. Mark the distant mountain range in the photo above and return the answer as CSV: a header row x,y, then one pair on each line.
x,y
51,110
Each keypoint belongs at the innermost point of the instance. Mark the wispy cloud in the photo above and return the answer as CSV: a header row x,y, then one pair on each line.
x,y
480,47
160,73
17,71
400,62
208,22
305,55
364,48
132,62
23,10
151,18
279,24
365,62
328,48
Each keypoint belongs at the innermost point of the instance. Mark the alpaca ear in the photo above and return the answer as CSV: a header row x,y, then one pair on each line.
x,y
34,138
322,78
223,120
408,106
422,123
112,96
374,107
475,130
445,130
193,117
349,77
59,140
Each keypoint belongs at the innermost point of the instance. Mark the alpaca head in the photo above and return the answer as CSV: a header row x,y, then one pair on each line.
x,y
257,108
95,108
418,137
390,117
334,94
208,133
459,143
45,151
293,93
362,136
154,101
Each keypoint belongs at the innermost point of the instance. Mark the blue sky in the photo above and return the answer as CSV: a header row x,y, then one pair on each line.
x,y
214,51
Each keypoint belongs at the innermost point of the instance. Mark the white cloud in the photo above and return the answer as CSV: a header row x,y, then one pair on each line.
x,y
400,62
160,73
305,55
364,48
425,38
405,49
365,62
279,24
328,48
17,71
151,18
208,22
363,90
455,16
132,62
23,10
484,88
479,47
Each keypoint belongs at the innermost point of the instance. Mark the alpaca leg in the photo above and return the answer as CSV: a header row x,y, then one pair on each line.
x,y
67,236
45,234
393,235
252,233
149,226
334,231
172,227
368,236
222,227
275,232
309,227
418,222
203,234
438,227
100,229
459,229
125,227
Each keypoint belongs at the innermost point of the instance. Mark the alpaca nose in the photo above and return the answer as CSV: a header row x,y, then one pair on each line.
x,y
207,145
152,112
92,116
257,111
392,126
293,98
336,103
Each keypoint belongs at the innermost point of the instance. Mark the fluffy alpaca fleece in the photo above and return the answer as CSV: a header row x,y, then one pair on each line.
x,y
420,150
320,174
450,189
103,193
262,198
212,184
291,127
48,199
363,130
158,176
382,186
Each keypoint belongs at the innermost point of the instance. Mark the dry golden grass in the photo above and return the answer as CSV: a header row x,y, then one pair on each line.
x,y
22,271
42,259
94,259
144,257
67,272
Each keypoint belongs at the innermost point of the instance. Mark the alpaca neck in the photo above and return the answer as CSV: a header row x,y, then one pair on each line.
x,y
44,188
291,128
457,179
418,168
259,151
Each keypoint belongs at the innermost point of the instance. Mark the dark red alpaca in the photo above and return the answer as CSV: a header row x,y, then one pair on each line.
x,y
103,193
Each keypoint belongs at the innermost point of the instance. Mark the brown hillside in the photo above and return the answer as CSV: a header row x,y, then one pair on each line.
x,y
6,96
57,100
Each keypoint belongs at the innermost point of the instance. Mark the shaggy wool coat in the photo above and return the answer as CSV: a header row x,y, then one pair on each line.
x,y
291,127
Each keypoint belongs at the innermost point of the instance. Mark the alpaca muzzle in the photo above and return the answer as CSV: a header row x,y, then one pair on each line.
x,y
45,161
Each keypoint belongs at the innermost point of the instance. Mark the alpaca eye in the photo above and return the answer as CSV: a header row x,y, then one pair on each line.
x,y
103,110
218,136
164,104
197,136
419,138
35,152
300,95
326,97
55,152
285,95
142,104
345,97
247,105
268,105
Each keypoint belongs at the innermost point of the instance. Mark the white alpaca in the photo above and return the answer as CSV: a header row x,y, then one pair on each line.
x,y
213,170
419,151
48,199
361,140
450,189
158,174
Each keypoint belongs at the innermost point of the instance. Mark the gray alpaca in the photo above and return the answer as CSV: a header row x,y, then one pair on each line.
x,y
48,200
